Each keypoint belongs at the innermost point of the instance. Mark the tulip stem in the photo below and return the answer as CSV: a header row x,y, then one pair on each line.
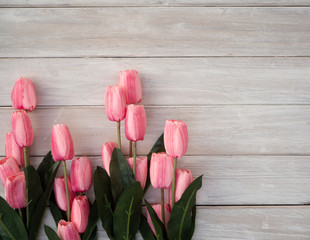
x,y
130,148
173,182
162,191
21,214
67,191
134,158
26,156
119,135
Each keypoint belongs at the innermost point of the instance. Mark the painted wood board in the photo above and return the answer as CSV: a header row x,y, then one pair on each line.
x,y
90,32
165,81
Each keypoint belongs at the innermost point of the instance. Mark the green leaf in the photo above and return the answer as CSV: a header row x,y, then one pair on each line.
x,y
91,230
157,147
12,226
191,233
104,199
40,207
50,233
180,223
159,227
127,213
145,229
44,167
120,174
56,212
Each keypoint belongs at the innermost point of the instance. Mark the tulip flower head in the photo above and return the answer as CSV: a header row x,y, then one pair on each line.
x,y
81,175
135,123
22,128
107,149
80,212
175,138
141,169
23,95
67,231
115,103
183,178
60,193
8,167
15,190
12,149
130,83
157,209
62,143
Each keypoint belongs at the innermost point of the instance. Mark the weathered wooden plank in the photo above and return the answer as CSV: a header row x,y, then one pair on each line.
x,y
165,81
213,130
64,32
242,223
238,180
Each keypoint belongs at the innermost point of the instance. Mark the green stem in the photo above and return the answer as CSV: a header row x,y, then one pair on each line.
x,y
162,191
21,214
6,229
134,158
130,148
26,156
67,191
173,182
119,135
27,208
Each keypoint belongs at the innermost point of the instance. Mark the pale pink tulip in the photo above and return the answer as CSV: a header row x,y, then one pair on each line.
x,y
175,138
62,143
12,149
135,123
81,175
141,169
23,95
60,193
183,178
107,149
161,170
67,231
130,83
8,167
15,190
22,128
80,213
157,209
115,103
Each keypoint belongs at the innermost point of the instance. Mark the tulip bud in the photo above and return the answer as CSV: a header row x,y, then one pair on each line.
x,y
8,167
135,123
62,144
81,175
22,128
60,193
67,231
161,170
80,213
157,209
23,95
12,149
183,178
107,149
175,138
15,190
115,103
130,83
141,169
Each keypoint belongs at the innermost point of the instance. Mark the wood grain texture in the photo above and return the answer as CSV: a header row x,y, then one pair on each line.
x,y
73,32
165,81
213,130
242,223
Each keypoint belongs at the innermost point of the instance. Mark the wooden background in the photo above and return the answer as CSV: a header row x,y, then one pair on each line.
x,y
236,71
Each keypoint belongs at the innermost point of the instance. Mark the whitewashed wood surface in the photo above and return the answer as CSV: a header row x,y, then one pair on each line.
x,y
236,71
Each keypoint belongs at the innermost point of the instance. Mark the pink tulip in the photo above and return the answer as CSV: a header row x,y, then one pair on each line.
x,y
62,144
12,149
23,95
67,231
183,178
157,209
130,83
141,169
161,170
81,175
80,213
115,103
60,193
107,149
175,138
135,123
15,190
8,167
22,128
